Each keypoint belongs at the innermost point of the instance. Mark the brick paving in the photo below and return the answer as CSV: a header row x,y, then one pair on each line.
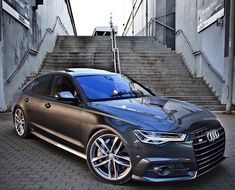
x,y
34,164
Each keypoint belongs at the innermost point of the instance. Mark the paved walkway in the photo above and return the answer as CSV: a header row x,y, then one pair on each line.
x,y
35,164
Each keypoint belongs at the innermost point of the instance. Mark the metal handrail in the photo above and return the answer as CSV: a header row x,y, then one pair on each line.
x,y
198,52
158,22
115,50
35,52
114,55
161,23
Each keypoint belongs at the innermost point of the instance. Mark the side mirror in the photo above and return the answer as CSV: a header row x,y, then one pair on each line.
x,y
65,96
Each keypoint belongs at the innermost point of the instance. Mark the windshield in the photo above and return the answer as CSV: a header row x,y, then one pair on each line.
x,y
108,87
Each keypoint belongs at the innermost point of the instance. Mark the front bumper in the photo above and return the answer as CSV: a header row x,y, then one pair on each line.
x,y
178,174
177,161
165,169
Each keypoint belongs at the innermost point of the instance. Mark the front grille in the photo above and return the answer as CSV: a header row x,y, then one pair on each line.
x,y
208,154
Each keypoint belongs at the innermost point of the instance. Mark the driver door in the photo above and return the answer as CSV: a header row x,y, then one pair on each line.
x,y
63,117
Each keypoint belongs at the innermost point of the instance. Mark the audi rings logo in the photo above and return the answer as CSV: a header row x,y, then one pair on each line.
x,y
212,135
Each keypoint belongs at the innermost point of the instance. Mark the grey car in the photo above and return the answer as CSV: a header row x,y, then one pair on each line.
x,y
120,127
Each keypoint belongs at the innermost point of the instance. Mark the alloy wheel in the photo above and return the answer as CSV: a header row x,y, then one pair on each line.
x,y
109,158
19,121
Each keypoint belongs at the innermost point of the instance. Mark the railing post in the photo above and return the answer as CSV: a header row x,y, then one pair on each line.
x,y
116,59
231,58
133,17
146,17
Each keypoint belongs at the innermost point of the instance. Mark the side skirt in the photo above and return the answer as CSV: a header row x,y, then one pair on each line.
x,y
59,145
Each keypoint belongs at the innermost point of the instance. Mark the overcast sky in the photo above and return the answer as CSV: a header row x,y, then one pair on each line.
x,y
89,14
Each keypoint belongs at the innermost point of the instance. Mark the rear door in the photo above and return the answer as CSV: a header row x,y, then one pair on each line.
x,y
35,99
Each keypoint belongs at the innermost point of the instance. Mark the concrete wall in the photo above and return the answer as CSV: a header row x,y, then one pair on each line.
x,y
17,39
2,100
163,11
211,41
186,20
233,85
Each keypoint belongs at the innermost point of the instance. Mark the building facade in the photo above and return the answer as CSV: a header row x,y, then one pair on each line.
x,y
202,37
28,30
152,18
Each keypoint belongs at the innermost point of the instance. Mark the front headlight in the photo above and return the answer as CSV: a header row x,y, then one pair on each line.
x,y
153,137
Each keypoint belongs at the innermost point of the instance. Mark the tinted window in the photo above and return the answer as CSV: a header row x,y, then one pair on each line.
x,y
41,85
61,84
28,87
100,87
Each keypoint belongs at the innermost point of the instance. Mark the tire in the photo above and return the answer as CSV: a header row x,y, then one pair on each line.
x,y
108,158
20,123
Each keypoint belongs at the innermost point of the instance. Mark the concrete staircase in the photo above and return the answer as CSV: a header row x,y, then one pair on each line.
x,y
80,51
164,71
142,58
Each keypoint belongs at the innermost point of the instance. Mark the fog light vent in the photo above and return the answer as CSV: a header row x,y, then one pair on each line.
x,y
162,170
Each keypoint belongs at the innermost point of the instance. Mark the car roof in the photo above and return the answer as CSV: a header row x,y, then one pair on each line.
x,y
84,72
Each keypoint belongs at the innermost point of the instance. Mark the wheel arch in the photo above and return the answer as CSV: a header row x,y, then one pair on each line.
x,y
102,127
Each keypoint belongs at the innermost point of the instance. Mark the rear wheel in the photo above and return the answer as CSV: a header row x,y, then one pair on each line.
x,y
108,158
20,123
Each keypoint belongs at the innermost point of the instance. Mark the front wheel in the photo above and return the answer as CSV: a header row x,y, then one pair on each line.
x,y
108,158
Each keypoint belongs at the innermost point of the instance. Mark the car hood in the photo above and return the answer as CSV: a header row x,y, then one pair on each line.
x,y
153,113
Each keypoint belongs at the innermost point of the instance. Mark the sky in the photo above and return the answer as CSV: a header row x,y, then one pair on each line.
x,y
89,14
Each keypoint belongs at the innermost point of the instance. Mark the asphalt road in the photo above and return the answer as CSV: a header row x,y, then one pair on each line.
x,y
35,164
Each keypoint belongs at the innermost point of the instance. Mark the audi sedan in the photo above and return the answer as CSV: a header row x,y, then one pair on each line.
x,y
120,127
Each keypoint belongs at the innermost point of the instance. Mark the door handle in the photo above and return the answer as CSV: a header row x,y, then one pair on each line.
x,y
47,105
26,99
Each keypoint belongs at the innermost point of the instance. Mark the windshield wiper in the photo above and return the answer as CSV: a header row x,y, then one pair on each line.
x,y
131,92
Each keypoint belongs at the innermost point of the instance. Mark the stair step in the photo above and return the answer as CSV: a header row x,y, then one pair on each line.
x,y
61,61
76,64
